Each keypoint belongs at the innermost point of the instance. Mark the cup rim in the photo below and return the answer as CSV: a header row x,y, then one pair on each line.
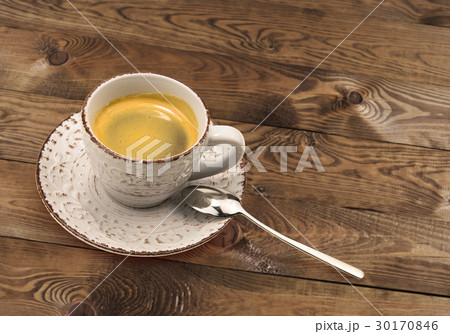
x,y
117,155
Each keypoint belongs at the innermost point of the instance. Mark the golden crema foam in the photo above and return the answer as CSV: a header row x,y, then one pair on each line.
x,y
147,126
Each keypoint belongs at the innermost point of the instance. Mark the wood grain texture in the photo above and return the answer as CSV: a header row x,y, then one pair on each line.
x,y
370,175
376,112
44,279
396,252
363,174
410,182
287,34
234,88
24,123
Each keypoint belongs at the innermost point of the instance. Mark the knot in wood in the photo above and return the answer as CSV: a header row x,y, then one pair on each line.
x,y
355,97
58,58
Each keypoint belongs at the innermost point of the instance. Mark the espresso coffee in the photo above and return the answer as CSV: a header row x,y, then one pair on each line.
x,y
147,126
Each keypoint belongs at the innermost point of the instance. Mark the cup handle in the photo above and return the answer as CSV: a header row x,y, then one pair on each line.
x,y
219,134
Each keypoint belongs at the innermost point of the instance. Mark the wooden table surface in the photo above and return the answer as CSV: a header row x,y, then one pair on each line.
x,y
377,112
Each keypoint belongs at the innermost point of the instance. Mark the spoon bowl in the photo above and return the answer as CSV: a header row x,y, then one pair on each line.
x,y
212,201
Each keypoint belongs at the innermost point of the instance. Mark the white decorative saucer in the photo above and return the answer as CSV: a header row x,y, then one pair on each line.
x,y
78,203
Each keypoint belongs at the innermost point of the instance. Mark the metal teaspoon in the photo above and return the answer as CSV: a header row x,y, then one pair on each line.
x,y
222,203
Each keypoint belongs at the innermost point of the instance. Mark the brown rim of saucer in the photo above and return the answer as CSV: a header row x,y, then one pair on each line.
x,y
99,245
124,157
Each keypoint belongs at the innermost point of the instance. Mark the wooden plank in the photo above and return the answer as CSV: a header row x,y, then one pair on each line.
x,y
26,121
234,88
364,174
44,279
427,12
396,252
282,33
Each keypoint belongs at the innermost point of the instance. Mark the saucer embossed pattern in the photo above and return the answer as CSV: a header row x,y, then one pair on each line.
x,y
74,198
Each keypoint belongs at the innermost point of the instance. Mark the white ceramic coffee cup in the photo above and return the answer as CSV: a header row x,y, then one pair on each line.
x,y
145,183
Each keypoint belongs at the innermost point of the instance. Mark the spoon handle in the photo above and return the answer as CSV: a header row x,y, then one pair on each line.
x,y
308,250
